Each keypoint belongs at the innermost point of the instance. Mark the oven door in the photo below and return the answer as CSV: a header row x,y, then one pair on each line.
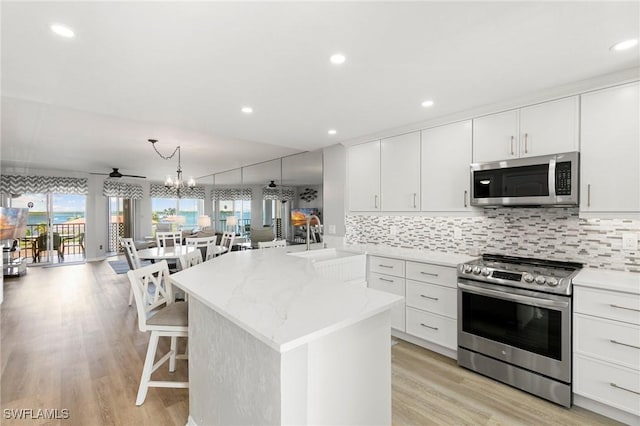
x,y
528,329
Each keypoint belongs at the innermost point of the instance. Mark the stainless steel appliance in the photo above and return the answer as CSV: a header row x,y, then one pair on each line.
x,y
514,322
546,180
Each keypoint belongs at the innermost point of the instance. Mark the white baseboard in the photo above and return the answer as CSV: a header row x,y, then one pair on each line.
x,y
434,347
606,410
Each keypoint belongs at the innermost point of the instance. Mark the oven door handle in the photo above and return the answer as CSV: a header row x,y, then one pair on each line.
x,y
533,301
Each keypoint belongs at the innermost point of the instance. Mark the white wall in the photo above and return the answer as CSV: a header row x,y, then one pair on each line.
x,y
334,182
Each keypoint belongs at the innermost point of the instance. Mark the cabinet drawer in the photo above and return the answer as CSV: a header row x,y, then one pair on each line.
x,y
606,383
387,283
431,327
434,274
611,341
433,298
608,304
384,265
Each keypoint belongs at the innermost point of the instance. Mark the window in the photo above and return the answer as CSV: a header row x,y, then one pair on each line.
x,y
166,211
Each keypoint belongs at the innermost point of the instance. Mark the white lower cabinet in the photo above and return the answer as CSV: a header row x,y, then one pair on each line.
x,y
394,285
606,344
431,304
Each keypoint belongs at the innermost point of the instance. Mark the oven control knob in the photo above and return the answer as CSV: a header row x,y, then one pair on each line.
x,y
467,269
552,282
485,272
528,277
476,270
540,279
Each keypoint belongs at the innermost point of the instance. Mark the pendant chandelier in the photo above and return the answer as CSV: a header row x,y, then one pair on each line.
x,y
175,182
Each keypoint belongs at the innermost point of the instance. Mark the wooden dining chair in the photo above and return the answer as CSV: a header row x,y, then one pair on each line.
x,y
159,314
167,239
131,254
201,243
212,250
227,241
190,259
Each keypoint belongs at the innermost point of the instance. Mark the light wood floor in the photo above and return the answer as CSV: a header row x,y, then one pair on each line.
x,y
69,341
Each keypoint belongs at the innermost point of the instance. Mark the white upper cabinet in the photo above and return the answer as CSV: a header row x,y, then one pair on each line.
x,y
610,150
549,128
546,128
400,173
495,137
446,155
363,165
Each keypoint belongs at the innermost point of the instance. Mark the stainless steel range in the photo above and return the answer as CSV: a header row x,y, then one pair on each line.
x,y
514,322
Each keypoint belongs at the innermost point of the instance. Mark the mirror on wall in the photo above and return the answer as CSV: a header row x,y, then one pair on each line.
x,y
230,202
273,196
302,176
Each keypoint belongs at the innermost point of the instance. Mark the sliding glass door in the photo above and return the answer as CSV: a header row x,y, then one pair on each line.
x,y
55,229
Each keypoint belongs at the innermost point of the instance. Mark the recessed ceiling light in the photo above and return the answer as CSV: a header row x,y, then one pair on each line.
x,y
332,132
63,31
427,104
624,45
247,110
338,59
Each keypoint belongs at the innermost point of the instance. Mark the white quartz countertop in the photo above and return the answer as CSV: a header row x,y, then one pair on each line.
x,y
604,279
426,256
279,299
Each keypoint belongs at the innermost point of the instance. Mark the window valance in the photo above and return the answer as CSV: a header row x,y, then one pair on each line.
x,y
161,191
16,184
274,194
112,188
231,194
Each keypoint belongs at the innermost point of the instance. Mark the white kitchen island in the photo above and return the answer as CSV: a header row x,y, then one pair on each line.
x,y
272,342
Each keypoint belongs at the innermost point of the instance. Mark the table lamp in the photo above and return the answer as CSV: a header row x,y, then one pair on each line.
x,y
204,222
232,222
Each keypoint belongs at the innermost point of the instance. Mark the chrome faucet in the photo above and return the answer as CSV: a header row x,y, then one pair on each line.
x,y
311,216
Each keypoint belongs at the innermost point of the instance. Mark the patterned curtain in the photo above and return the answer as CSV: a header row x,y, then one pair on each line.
x,y
160,191
231,194
274,194
15,184
111,188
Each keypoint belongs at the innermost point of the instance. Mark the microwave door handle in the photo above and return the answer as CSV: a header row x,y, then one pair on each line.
x,y
552,178
533,301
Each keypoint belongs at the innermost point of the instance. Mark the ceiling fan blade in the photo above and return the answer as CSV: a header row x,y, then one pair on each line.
x,y
101,174
135,176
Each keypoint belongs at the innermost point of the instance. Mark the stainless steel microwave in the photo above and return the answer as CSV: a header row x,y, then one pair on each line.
x,y
549,180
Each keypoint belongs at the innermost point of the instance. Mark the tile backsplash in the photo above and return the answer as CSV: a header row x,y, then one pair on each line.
x,y
546,233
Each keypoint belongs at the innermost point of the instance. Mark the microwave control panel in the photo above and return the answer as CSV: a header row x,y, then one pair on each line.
x,y
563,178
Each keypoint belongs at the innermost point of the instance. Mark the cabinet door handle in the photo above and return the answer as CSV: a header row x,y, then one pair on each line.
x,y
589,195
428,297
414,200
431,274
387,280
624,344
613,385
512,139
385,266
435,328
624,307
375,201
465,198
526,148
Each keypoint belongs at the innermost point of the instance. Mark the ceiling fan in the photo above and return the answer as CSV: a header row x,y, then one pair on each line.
x,y
116,174
272,184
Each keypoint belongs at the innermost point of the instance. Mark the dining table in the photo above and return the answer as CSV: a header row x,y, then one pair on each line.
x,y
171,252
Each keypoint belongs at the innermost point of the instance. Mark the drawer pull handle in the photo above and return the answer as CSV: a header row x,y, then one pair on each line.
x,y
624,307
387,280
624,344
613,385
385,266
433,328
428,297
429,273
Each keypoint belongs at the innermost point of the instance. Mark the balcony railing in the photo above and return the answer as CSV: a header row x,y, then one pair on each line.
x,y
72,235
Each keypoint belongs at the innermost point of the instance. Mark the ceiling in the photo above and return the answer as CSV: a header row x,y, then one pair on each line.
x,y
180,72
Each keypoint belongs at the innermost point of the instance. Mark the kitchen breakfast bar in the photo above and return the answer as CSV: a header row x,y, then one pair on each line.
x,y
272,341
